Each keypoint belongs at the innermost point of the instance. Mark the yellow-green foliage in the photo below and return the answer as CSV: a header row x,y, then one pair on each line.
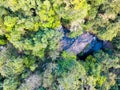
x,y
67,8
10,83
48,17
97,70
116,42
2,42
13,66
19,19
66,72
30,42
103,18
70,72
29,62
112,31
47,75
73,11
9,22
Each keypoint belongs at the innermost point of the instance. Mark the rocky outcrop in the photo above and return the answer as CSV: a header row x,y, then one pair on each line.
x,y
85,43
80,43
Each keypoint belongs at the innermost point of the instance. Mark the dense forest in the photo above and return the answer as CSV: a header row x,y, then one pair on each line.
x,y
59,44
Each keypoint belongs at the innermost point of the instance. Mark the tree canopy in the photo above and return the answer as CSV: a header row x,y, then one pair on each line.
x,y
30,41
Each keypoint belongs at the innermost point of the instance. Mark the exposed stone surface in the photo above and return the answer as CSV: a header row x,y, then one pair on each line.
x,y
86,43
80,43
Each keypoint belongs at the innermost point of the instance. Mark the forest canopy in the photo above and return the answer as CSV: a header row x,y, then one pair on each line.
x,y
30,41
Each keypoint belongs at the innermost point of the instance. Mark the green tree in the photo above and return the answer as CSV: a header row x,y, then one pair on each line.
x,y
10,83
98,70
103,18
